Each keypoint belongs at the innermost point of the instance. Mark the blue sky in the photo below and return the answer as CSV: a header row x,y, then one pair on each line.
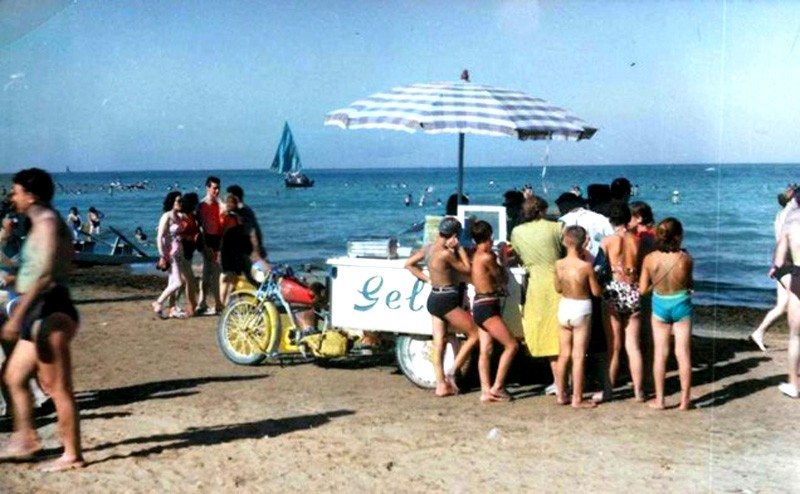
x,y
115,85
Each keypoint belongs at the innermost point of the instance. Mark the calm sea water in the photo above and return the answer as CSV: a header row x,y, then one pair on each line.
x,y
727,210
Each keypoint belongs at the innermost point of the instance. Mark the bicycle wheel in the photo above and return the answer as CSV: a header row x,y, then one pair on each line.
x,y
245,331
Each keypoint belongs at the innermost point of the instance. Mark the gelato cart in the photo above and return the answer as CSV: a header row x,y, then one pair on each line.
x,y
381,296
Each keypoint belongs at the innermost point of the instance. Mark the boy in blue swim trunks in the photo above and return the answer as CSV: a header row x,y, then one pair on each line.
x,y
489,280
447,264
667,272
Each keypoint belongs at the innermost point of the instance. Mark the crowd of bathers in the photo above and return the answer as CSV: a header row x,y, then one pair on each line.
x,y
620,250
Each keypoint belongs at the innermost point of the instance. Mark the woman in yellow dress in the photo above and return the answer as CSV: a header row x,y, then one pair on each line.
x,y
537,242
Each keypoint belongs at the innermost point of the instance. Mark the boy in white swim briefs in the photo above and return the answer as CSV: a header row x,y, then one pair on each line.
x,y
576,282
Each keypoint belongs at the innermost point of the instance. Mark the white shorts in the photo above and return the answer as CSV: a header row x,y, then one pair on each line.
x,y
571,311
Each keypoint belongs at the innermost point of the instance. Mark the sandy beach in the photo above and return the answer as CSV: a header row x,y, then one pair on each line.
x,y
163,411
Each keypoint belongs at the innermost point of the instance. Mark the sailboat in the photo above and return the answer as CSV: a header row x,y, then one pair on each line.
x,y
287,161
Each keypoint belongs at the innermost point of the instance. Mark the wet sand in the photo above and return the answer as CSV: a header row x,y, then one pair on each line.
x,y
163,411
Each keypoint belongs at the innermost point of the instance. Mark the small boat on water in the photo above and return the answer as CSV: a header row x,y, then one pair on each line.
x,y
287,161
120,251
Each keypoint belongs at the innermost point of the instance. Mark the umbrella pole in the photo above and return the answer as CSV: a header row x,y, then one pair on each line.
x,y
460,167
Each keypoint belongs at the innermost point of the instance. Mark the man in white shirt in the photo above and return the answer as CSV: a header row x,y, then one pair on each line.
x,y
573,212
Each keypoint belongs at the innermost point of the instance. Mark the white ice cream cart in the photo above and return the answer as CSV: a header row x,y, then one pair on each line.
x,y
380,295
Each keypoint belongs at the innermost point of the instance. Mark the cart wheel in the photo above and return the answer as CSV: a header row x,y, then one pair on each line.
x,y
415,358
244,331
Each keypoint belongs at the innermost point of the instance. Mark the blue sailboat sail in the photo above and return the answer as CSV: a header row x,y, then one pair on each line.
x,y
287,161
287,158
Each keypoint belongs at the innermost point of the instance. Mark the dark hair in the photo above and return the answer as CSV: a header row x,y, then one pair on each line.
x,y
575,235
481,231
619,213
169,201
568,201
73,209
642,210
669,235
513,199
533,208
621,189
783,200
37,182
212,180
451,209
237,191
190,201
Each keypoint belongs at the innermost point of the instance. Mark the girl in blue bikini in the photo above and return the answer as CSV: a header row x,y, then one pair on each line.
x,y
667,272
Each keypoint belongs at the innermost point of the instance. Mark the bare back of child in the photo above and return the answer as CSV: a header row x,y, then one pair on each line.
x,y
576,282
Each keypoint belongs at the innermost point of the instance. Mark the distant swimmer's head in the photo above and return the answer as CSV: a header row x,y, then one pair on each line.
x,y
449,227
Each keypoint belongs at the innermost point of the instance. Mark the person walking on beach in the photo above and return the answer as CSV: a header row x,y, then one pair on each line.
x,y
242,242
786,269
490,279
447,261
576,282
43,324
667,272
788,202
170,251
210,211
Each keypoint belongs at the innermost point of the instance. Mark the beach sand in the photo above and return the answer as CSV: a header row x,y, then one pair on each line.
x,y
163,411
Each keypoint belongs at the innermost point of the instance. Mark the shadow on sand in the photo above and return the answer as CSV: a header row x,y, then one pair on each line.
x,y
218,434
158,390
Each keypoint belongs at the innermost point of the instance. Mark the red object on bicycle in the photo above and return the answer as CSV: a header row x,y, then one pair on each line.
x,y
295,292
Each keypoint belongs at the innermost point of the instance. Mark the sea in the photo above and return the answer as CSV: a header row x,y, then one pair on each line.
x,y
727,210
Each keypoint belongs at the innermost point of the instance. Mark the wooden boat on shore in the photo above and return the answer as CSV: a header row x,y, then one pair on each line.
x,y
120,251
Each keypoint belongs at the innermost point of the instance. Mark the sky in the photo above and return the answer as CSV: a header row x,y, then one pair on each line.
x,y
132,85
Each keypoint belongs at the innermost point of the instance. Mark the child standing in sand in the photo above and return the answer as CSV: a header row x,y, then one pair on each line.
x,y
447,261
489,280
576,282
668,273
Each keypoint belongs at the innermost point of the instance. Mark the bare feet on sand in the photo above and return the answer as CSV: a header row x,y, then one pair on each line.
x,y
657,405
581,403
62,463
495,396
758,339
19,449
447,388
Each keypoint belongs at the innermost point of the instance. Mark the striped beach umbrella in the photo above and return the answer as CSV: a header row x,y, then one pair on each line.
x,y
462,108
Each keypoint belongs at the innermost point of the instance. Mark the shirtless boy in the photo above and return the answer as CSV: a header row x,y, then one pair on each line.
x,y
447,260
667,272
489,280
576,282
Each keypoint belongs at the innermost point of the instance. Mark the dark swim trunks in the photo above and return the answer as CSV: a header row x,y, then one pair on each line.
x,y
794,271
443,299
56,300
484,307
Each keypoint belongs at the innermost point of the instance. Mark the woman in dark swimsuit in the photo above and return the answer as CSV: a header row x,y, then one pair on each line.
x,y
44,321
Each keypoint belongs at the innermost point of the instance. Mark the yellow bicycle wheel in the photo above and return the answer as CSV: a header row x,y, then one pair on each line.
x,y
246,331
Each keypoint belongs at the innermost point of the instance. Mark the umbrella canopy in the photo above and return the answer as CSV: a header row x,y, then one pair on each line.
x,y
462,108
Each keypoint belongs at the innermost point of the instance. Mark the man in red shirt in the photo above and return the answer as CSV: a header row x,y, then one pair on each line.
x,y
211,209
